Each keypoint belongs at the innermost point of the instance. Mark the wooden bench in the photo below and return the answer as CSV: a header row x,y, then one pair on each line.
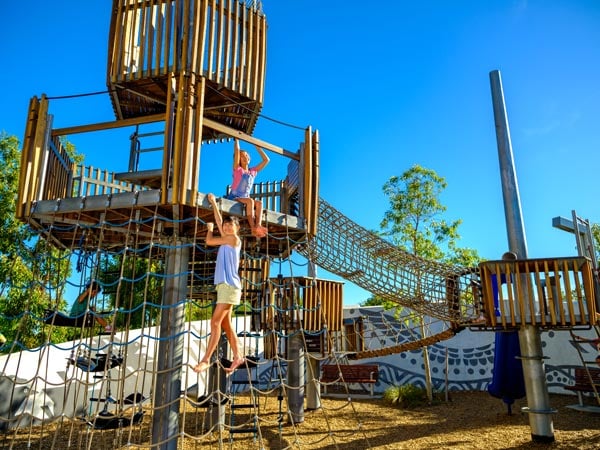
x,y
349,373
585,382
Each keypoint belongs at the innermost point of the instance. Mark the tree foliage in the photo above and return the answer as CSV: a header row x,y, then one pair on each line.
x,y
415,221
133,286
30,270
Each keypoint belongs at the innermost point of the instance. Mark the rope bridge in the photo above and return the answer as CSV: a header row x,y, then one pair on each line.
x,y
358,255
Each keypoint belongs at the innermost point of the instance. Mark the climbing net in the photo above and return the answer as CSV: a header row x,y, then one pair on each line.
x,y
106,385
132,384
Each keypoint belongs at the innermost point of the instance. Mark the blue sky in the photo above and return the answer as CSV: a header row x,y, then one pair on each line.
x,y
388,85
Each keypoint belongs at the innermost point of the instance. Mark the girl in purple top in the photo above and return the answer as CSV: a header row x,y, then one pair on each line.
x,y
229,286
241,187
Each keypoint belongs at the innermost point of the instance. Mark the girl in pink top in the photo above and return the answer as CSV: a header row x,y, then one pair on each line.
x,y
241,187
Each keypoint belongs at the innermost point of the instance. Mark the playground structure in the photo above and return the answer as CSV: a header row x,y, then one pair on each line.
x,y
198,69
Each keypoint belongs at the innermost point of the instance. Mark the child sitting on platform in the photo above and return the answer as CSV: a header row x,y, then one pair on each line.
x,y
243,181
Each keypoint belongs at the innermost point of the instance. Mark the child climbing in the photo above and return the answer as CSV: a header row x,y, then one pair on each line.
x,y
243,181
228,285
81,304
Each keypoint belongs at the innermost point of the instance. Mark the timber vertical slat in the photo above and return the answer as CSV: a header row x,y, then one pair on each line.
x,y
159,27
227,20
168,139
211,40
24,194
236,60
220,43
313,224
195,40
249,63
243,51
202,31
166,62
262,61
180,110
199,86
255,56
140,41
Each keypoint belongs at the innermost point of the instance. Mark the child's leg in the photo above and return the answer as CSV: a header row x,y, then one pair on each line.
x,y
249,204
219,314
238,359
260,230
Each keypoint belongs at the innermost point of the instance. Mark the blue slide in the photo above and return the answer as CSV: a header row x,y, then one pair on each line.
x,y
507,375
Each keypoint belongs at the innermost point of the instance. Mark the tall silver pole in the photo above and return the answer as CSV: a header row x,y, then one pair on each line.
x,y
530,341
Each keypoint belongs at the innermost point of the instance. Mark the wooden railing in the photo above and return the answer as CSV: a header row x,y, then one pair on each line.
x,y
46,168
89,180
549,293
314,302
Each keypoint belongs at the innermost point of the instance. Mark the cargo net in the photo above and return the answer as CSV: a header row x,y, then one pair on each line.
x,y
119,373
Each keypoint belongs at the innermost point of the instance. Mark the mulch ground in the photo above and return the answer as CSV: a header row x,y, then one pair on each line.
x,y
468,420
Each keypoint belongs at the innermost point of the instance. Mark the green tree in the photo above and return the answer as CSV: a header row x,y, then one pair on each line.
x,y
415,223
30,270
134,286
415,220
596,235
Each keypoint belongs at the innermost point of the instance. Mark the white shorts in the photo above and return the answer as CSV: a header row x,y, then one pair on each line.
x,y
227,294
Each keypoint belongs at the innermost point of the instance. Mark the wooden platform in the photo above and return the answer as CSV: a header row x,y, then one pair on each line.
x,y
114,221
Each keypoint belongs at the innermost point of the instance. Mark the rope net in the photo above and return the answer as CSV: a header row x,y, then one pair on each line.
x,y
85,385
358,255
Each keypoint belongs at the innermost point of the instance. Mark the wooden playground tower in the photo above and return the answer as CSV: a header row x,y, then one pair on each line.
x,y
196,68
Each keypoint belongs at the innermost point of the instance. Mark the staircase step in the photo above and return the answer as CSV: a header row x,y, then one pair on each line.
x,y
243,406
243,430
244,381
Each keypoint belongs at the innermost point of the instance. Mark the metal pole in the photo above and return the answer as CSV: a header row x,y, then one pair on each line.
x,y
165,422
295,377
530,342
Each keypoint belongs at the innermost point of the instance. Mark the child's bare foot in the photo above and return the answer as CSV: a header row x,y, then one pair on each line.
x,y
201,366
237,362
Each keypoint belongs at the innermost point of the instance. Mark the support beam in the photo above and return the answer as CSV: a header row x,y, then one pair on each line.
x,y
165,422
107,125
567,225
250,139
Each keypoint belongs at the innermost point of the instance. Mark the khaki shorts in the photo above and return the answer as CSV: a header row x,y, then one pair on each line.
x,y
227,294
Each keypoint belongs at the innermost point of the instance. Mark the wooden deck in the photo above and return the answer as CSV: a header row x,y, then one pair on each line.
x,y
114,221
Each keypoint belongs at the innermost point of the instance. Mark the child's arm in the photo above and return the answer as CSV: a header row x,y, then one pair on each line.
x,y
223,238
236,154
218,218
265,159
